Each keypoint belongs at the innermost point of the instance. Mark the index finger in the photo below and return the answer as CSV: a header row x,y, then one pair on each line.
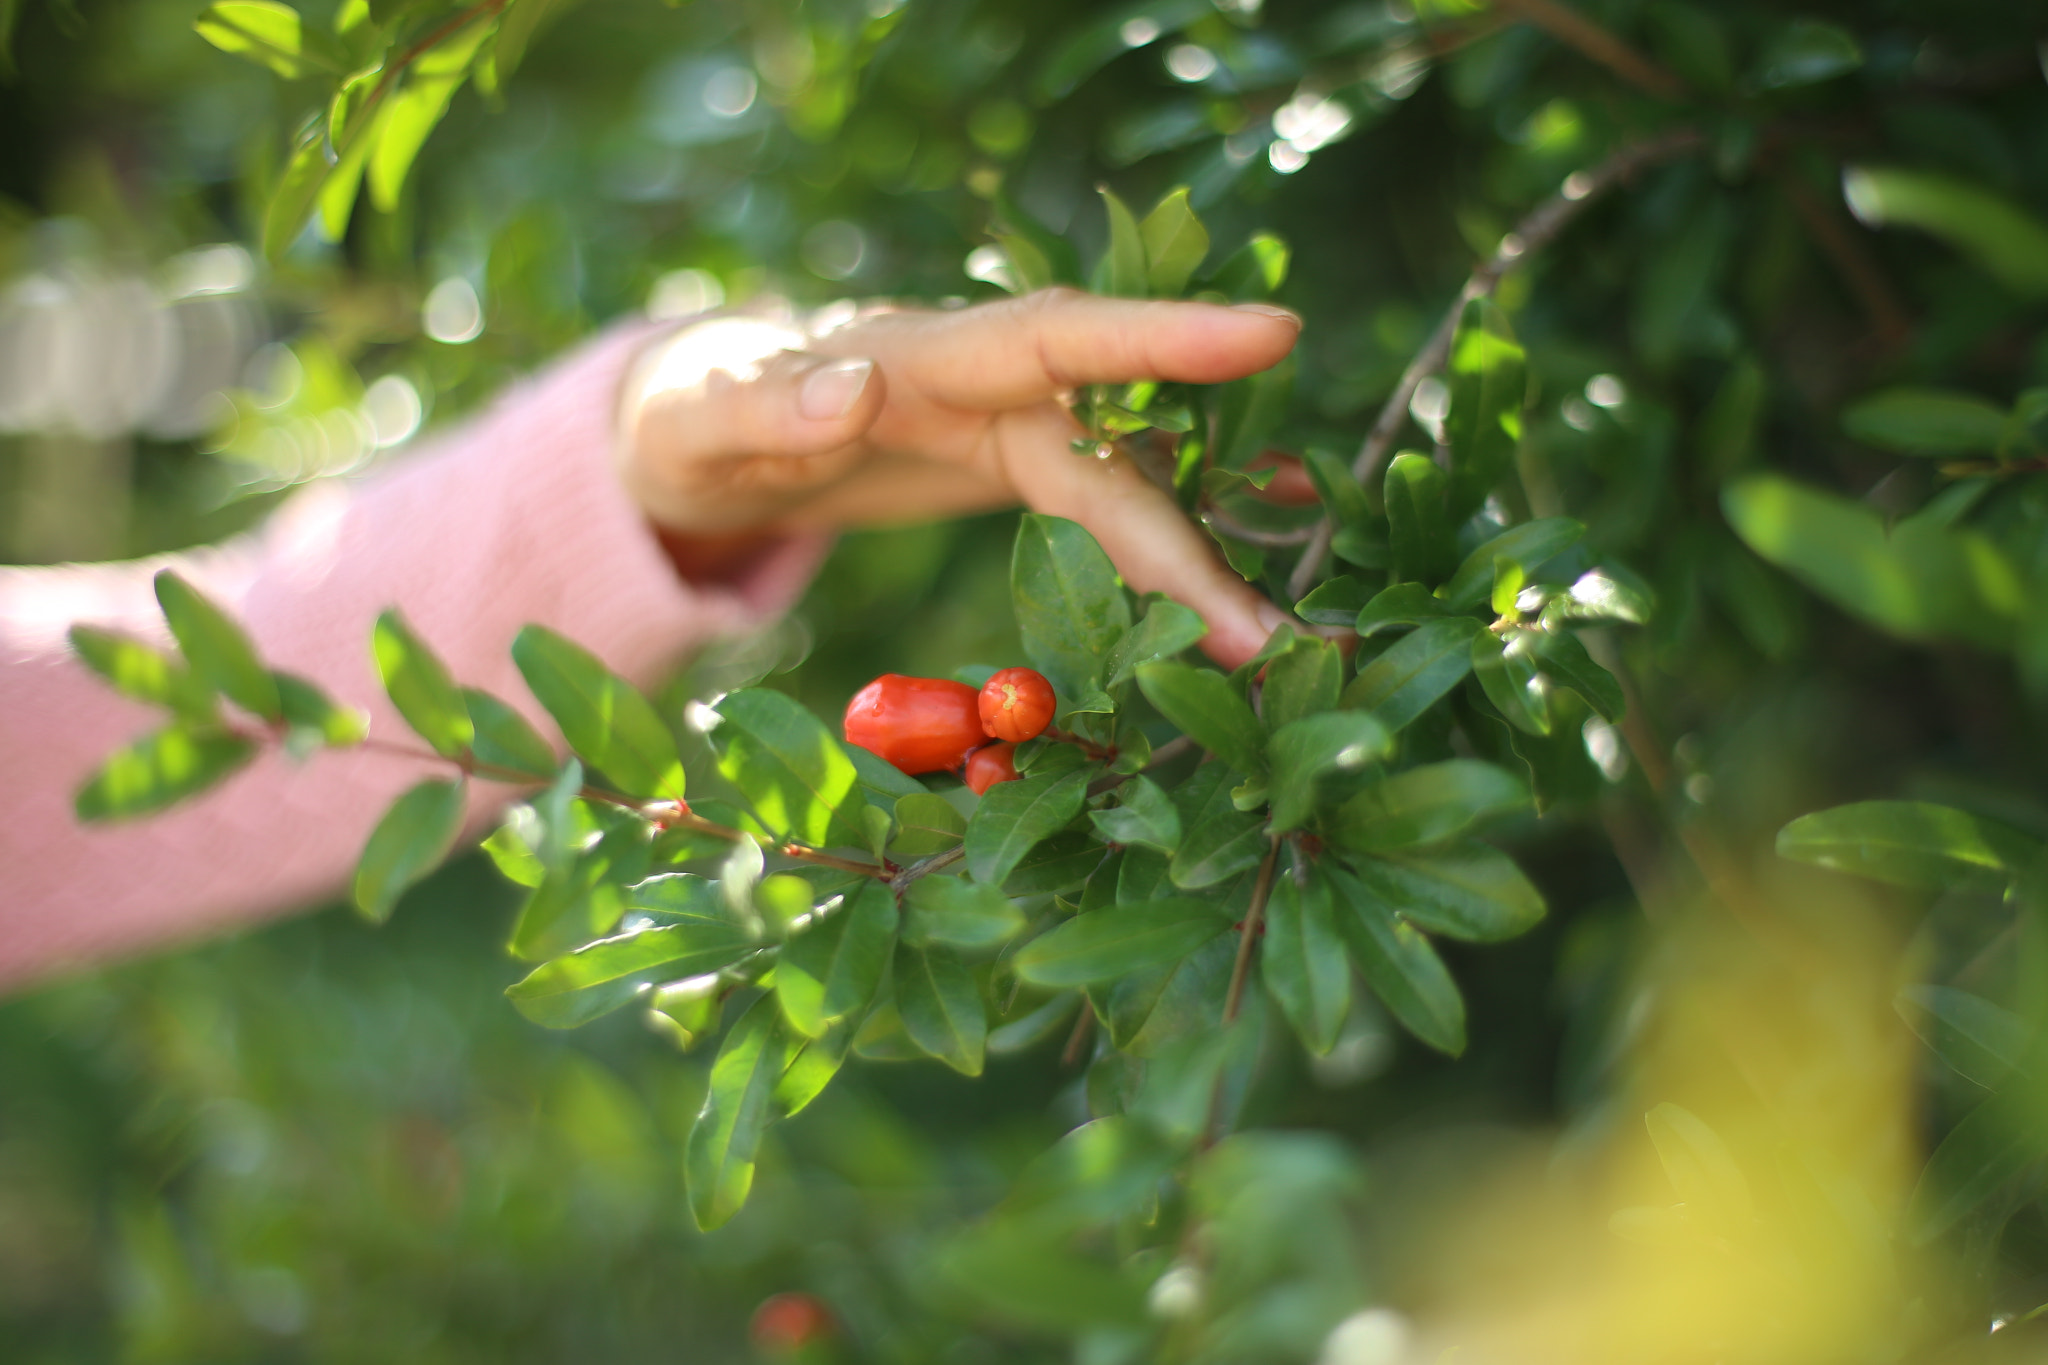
x,y
1021,351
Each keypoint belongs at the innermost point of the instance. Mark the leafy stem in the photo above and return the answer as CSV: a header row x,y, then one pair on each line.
x,y
1254,921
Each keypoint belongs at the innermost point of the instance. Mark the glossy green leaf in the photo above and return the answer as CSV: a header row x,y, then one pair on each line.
x,y
954,911
1302,959
1400,966
1909,843
718,1159
2010,243
143,672
1467,890
798,779
1993,1144
1218,840
1334,602
1028,1030
501,737
941,1007
926,824
1058,865
159,769
1531,545
1913,579
1035,1280
1123,271
215,648
1980,1040
1175,243
600,977
1143,815
410,841
1403,604
1488,371
1204,705
1307,750
831,968
1926,422
521,20
1012,817
1344,498
311,712
1304,681
1563,658
1249,413
1166,629
1411,676
604,718
297,189
1253,271
1426,805
1070,606
265,32
593,853
416,108
420,687
1419,527
813,1062
1506,668
1118,941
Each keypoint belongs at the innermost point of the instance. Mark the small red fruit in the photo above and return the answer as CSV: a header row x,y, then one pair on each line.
x,y
1016,705
785,1323
922,725
990,765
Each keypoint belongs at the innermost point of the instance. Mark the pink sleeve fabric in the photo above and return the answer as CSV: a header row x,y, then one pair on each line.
x,y
515,517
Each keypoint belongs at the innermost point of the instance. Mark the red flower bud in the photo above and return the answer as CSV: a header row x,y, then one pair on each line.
x,y
990,765
785,1323
922,725
1016,704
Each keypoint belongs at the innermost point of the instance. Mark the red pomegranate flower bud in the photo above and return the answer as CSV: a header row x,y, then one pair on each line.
x,y
922,725
786,1323
1016,705
990,765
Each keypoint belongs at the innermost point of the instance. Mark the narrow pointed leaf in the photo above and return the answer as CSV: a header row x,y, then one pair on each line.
x,y
501,737
216,648
1118,941
1426,805
1302,960
1401,967
603,717
831,968
1312,748
408,843
1013,817
1415,673
143,672
1175,243
718,1160
958,912
1205,706
1123,271
1909,843
794,773
1467,890
1532,545
1143,815
599,977
1070,605
941,1007
159,769
420,687
1418,526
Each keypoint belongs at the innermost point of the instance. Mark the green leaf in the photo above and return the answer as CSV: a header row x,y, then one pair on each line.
x,y
1253,271
1913,579
1029,268
420,687
1702,1170
1218,840
1302,682
1203,704
1302,960
1419,530
1249,413
954,911
1344,498
1506,668
600,977
1805,52
310,711
1118,941
1012,817
832,967
795,775
812,1064
605,719
157,770
1174,242
1608,594
521,19
1122,271
926,824
1401,967
501,737
1994,1143
217,650
1980,1040
1468,890
1143,815
718,1160
941,1007
1059,864
1426,805
1070,607
1166,629
1336,601
265,32
1926,422
298,187
1409,678
1064,265
1909,843
1563,657
1029,1030
412,113
1531,545
143,672
1403,604
1488,375
2010,243
408,843
1027,1276
1307,750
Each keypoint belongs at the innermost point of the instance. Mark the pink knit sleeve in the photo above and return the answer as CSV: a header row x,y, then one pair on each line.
x,y
515,517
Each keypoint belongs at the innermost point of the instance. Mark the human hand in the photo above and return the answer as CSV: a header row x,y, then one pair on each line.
x,y
740,424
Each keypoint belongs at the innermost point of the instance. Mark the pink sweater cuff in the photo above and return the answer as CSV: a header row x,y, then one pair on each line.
x,y
514,517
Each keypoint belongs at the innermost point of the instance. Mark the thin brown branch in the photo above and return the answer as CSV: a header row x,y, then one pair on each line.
x,y
1169,751
938,862
1254,921
1078,1039
1252,535
1600,44
1852,260
1535,232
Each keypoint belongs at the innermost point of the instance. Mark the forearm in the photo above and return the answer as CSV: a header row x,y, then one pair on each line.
x,y
515,517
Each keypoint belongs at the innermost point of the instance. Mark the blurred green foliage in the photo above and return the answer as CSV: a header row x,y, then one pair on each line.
x,y
1794,380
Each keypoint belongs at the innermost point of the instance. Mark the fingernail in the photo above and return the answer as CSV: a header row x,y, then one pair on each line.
x,y
1271,618
830,391
1270,310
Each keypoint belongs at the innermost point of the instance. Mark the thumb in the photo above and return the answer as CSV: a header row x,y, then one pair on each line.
x,y
727,426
